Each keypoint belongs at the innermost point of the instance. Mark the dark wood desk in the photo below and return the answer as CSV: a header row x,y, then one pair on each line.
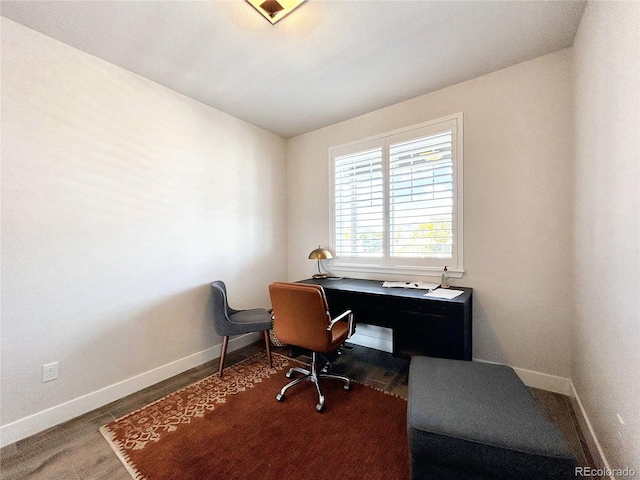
x,y
421,325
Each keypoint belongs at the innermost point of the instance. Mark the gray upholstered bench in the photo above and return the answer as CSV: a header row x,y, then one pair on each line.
x,y
468,420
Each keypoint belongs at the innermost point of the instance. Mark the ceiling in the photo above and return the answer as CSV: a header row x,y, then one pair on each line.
x,y
324,63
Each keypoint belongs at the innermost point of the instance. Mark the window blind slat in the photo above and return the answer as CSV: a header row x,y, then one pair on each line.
x,y
359,203
421,193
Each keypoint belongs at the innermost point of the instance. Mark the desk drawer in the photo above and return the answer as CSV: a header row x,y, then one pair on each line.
x,y
424,307
432,335
366,308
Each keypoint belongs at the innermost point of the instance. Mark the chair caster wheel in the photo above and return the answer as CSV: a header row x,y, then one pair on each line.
x,y
347,387
320,407
280,397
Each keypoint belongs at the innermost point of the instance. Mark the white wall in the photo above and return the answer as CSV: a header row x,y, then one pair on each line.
x,y
121,201
518,174
606,328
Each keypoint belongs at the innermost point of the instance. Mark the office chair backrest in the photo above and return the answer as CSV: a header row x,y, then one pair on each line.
x,y
220,308
301,315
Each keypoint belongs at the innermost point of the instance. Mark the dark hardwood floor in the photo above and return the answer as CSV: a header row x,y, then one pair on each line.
x,y
76,449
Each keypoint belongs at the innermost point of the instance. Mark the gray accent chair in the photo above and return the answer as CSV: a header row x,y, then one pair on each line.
x,y
228,321
468,420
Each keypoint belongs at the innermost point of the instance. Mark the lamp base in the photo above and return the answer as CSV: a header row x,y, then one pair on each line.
x,y
319,275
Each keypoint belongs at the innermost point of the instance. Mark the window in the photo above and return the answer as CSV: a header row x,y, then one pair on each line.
x,y
397,200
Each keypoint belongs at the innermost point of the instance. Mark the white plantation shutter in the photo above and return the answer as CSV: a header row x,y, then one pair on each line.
x,y
359,203
421,197
397,200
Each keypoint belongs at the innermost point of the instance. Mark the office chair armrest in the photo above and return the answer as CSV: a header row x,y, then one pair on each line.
x,y
340,317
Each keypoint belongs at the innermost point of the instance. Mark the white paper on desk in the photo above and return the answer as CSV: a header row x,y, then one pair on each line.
x,y
444,293
418,285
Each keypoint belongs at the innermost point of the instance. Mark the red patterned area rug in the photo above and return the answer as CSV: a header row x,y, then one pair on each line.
x,y
233,428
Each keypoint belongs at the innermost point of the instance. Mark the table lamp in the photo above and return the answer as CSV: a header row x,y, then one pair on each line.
x,y
320,254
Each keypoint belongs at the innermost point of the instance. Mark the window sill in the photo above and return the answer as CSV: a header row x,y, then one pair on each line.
x,y
395,270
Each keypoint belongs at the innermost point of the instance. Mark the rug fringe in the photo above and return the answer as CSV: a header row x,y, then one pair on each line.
x,y
123,457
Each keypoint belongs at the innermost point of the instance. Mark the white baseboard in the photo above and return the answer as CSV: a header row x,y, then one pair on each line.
x,y
38,422
543,381
565,386
589,433
53,416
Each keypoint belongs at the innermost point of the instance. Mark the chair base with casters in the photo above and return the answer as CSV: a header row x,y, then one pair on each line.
x,y
314,377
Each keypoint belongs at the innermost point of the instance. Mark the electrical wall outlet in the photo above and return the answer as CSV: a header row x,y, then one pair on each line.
x,y
49,372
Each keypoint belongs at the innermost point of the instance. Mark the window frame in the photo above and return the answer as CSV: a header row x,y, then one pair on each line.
x,y
386,263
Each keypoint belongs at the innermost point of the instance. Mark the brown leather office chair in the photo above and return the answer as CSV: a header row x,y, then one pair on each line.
x,y
302,319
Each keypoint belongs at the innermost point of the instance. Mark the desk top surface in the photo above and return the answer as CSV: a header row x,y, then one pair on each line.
x,y
375,287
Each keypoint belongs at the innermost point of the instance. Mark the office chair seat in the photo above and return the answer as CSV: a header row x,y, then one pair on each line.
x,y
247,321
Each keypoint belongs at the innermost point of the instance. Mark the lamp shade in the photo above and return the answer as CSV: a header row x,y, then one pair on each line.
x,y
320,254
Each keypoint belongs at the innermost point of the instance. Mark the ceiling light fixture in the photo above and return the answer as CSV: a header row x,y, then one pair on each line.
x,y
275,10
